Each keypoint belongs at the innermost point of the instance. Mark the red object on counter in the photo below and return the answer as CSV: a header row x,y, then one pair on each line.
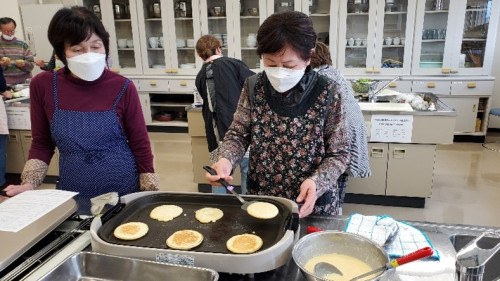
x,y
312,229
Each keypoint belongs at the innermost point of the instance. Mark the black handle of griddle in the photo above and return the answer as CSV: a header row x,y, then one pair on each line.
x,y
112,212
293,223
214,173
3,193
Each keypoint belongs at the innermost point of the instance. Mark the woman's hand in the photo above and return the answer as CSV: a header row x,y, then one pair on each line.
x,y
7,94
40,63
223,168
13,190
308,196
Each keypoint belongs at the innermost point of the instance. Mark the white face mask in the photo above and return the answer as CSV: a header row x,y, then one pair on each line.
x,y
283,79
7,37
88,66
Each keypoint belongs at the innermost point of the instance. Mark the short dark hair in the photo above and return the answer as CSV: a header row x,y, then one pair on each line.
x,y
7,20
72,26
321,55
207,46
287,28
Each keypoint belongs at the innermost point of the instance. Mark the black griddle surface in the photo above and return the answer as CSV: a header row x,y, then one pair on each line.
x,y
235,221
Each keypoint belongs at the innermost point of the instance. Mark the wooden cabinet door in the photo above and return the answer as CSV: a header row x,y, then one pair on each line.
x,y
374,185
15,154
26,140
410,169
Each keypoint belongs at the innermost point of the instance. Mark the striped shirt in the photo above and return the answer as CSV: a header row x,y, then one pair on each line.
x,y
16,50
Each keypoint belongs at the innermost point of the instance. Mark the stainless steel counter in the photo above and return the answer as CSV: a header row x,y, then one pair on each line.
x,y
438,234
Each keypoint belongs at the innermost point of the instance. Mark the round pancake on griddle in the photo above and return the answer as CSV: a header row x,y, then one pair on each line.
x,y
207,214
262,210
131,230
184,239
244,243
165,212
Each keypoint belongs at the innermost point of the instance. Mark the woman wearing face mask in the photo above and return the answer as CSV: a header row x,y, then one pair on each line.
x,y
92,115
292,119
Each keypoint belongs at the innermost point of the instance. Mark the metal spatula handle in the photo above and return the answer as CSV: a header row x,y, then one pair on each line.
x,y
224,183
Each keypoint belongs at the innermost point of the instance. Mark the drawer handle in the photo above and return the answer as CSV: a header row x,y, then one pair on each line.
x,y
471,85
399,153
376,70
152,83
393,85
377,152
369,70
115,70
183,83
474,108
168,70
454,71
175,70
431,85
445,70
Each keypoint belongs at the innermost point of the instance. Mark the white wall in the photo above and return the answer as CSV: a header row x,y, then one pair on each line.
x,y
494,122
10,8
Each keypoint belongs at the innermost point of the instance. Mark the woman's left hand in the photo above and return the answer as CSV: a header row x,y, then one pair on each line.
x,y
308,196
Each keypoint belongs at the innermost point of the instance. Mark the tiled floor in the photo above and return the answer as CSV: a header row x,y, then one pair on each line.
x,y
466,186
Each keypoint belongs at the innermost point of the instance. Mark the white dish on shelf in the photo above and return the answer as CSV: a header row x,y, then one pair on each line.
x,y
158,66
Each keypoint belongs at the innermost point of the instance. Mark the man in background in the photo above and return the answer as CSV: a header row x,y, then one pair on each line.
x,y
16,58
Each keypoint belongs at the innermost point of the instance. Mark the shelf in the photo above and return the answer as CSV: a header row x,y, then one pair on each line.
x,y
123,20
248,48
395,13
249,17
357,14
216,18
170,104
155,49
436,11
393,46
433,40
173,123
125,49
153,19
319,15
356,47
183,19
474,39
187,48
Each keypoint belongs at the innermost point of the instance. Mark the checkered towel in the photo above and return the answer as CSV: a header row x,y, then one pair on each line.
x,y
378,228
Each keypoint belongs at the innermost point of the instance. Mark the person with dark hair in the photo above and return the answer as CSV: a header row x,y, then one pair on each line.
x,y
292,119
219,83
91,114
359,165
4,130
51,65
16,58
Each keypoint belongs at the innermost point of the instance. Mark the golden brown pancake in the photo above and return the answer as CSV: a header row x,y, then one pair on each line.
x,y
131,230
206,215
165,212
244,243
262,210
184,239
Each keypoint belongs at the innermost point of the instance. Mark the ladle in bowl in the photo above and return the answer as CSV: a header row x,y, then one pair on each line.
x,y
323,268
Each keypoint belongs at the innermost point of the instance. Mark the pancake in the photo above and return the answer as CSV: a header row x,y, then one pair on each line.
x,y
262,210
131,230
244,243
206,215
165,212
184,239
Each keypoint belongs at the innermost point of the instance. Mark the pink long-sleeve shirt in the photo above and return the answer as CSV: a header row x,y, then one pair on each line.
x,y
79,95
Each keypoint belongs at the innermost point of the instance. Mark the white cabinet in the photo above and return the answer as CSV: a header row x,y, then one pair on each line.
x,y
455,39
394,172
375,37
120,19
467,112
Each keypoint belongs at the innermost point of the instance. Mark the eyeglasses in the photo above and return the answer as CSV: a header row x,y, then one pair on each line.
x,y
8,32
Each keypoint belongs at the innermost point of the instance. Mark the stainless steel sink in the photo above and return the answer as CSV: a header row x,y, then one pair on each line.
x,y
492,268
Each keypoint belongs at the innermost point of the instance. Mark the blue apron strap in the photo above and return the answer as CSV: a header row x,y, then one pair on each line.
x,y
54,85
121,93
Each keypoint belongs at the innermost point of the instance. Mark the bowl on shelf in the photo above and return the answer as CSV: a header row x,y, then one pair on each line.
x,y
164,116
158,66
187,65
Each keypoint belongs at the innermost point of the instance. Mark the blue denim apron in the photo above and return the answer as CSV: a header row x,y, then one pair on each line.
x,y
95,157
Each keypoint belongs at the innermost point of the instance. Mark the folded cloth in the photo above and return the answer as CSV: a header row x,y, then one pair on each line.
x,y
100,201
377,228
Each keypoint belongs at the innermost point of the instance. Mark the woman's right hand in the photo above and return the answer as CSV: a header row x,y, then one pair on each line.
x,y
13,190
40,63
223,168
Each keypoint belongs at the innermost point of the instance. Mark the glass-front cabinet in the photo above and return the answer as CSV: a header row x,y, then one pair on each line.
x,y
442,48
120,19
375,36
